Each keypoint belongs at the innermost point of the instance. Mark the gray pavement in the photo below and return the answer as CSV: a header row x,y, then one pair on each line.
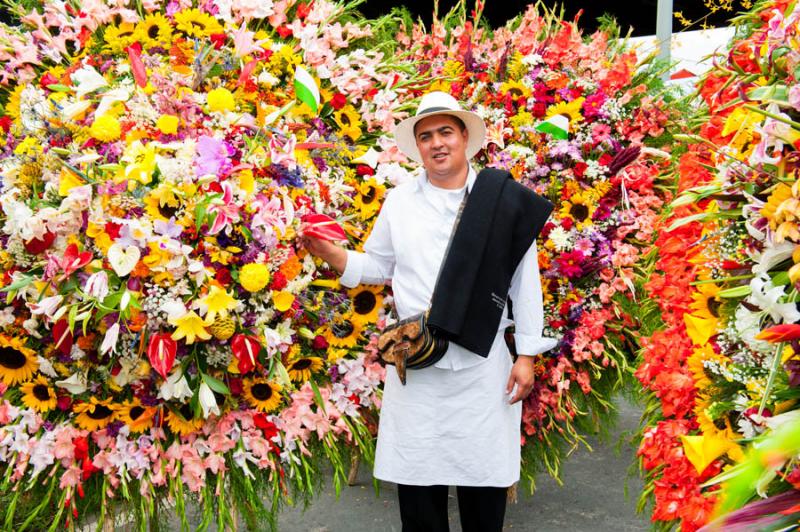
x,y
592,497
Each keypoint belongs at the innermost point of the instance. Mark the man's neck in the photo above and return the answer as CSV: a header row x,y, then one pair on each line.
x,y
452,181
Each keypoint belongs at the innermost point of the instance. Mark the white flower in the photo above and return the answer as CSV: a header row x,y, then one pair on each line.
x,y
772,256
207,401
46,367
87,80
47,306
767,297
561,238
175,387
96,285
110,339
75,384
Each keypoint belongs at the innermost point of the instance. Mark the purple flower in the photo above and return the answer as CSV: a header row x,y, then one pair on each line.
x,y
792,368
212,156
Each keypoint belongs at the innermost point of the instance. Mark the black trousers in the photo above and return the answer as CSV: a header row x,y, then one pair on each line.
x,y
424,508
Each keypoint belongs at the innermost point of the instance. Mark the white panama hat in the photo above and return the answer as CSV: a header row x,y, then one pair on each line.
x,y
439,103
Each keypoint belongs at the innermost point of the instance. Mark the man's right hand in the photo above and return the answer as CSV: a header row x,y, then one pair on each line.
x,y
334,255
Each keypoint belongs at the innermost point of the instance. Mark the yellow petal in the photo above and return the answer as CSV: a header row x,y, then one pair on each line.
x,y
283,300
699,329
67,181
703,449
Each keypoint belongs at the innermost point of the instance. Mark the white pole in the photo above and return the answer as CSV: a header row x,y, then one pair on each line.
x,y
664,30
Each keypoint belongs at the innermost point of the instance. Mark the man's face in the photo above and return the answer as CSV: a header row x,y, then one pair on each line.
x,y
442,145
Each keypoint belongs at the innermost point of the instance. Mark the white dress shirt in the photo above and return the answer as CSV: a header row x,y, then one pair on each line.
x,y
407,246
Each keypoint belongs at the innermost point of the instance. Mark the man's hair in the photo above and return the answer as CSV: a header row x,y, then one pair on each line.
x,y
460,123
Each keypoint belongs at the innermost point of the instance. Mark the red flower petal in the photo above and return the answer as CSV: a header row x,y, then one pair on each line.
x,y
161,352
322,226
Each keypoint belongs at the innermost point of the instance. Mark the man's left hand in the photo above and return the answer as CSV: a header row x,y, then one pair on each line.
x,y
523,374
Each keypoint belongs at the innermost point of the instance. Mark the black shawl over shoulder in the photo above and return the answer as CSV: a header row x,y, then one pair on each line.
x,y
500,221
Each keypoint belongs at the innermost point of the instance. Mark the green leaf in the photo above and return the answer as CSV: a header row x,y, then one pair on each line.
x,y
739,291
770,92
317,395
22,283
215,384
687,220
73,314
781,279
58,87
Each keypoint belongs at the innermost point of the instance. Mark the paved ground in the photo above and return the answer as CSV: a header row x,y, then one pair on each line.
x,y
591,499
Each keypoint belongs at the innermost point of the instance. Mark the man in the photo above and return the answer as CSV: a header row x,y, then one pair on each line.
x,y
458,421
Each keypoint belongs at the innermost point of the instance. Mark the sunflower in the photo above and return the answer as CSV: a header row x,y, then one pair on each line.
x,y
154,30
195,23
13,105
696,364
162,203
39,395
300,368
366,302
349,122
579,208
342,331
706,301
95,414
119,37
182,422
137,417
262,394
368,199
17,362
571,110
516,89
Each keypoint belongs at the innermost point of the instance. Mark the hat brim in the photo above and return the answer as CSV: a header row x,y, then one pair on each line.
x,y
404,132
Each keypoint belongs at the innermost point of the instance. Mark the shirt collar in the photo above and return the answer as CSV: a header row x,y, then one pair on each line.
x,y
471,176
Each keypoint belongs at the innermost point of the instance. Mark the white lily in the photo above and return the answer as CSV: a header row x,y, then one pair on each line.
x,y
175,387
767,297
207,401
110,339
75,384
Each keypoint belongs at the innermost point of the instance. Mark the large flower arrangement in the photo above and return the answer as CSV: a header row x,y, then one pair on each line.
x,y
575,118
723,370
162,330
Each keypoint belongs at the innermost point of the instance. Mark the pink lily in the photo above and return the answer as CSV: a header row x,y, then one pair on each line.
x,y
225,208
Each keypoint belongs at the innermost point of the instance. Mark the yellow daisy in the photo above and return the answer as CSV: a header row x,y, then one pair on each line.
x,y
262,394
39,395
17,362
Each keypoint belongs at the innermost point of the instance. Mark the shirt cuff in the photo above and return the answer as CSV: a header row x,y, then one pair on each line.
x,y
527,345
351,276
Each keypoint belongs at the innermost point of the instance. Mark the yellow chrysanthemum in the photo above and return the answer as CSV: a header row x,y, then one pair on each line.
x,y
17,362
453,69
39,395
221,100
95,414
167,124
571,110
195,23
254,277
105,128
262,394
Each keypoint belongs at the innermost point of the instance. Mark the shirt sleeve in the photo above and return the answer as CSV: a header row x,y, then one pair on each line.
x,y
526,295
376,264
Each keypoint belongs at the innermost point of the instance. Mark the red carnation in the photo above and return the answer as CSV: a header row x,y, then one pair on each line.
x,y
278,281
218,40
319,342
338,101
34,246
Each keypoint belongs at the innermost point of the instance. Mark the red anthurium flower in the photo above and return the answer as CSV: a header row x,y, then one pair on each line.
x,y
780,333
245,348
63,337
322,226
35,246
137,66
74,260
161,352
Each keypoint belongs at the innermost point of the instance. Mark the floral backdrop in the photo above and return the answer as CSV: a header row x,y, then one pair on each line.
x,y
163,333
